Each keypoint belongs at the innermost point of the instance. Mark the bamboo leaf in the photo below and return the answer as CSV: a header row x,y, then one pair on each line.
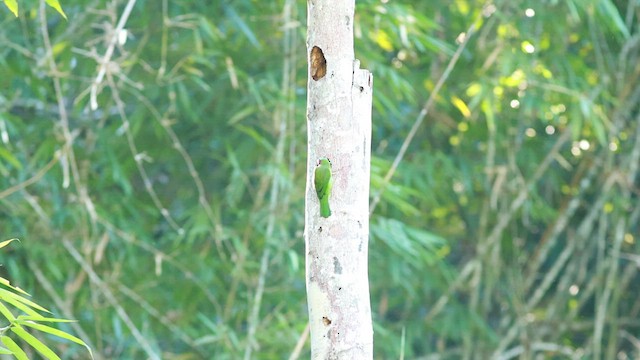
x,y
7,242
21,303
56,5
12,5
6,283
14,348
57,332
43,349
6,312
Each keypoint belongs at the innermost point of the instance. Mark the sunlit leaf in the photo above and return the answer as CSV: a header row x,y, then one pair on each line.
x,y
461,106
35,343
6,312
56,5
383,40
7,242
6,283
14,348
12,5
21,303
56,332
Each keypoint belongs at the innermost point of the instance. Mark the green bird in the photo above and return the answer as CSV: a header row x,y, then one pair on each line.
x,y
323,183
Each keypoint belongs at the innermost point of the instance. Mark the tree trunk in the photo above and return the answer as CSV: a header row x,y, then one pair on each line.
x,y
339,128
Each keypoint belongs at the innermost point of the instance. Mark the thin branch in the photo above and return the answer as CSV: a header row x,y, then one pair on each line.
x,y
302,339
32,180
161,316
140,157
67,151
584,230
62,305
257,301
420,118
274,201
539,347
603,300
108,294
202,194
188,275
106,59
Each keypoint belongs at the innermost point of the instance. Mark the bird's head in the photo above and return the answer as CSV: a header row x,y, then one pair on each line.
x,y
323,161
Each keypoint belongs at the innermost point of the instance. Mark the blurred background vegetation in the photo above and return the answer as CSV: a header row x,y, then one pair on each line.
x,y
153,166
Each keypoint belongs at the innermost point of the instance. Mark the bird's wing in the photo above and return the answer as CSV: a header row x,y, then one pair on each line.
x,y
321,182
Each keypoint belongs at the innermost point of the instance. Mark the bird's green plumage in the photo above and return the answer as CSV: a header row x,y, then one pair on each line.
x,y
323,183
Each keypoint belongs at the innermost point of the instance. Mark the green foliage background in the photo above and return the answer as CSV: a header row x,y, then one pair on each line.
x,y
169,220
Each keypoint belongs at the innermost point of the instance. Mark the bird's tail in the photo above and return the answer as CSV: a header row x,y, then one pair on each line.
x,y
325,210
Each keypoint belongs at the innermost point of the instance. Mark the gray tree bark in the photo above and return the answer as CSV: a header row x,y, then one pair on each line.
x,y
339,96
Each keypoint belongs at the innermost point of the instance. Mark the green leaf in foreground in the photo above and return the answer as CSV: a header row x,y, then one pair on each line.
x,y
32,319
21,303
56,5
6,283
12,5
56,332
35,343
7,242
14,348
